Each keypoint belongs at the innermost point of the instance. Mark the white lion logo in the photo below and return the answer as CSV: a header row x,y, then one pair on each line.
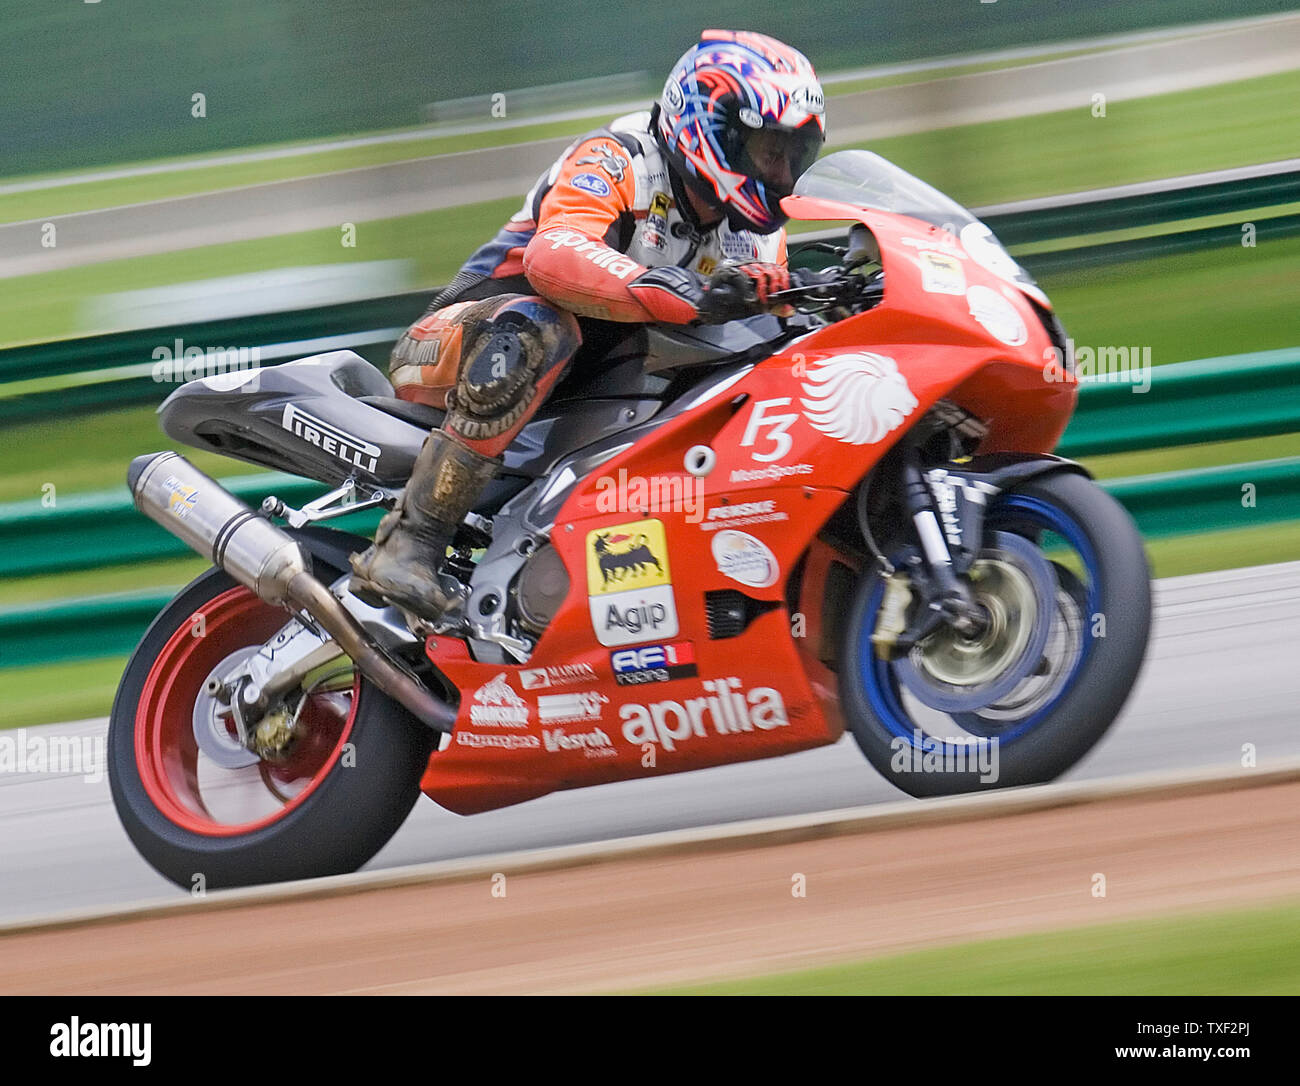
x,y
857,398
498,692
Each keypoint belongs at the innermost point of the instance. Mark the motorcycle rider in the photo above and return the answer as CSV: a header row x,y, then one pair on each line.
x,y
670,215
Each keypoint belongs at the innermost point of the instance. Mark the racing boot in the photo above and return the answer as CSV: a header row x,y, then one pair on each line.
x,y
401,567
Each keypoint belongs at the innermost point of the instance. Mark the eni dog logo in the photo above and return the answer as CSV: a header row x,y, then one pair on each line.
x,y
629,586
627,556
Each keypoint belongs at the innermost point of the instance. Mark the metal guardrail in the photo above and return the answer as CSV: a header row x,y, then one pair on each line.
x,y
1225,398
1163,505
117,369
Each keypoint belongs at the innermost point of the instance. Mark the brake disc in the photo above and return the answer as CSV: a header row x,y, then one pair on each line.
x,y
952,673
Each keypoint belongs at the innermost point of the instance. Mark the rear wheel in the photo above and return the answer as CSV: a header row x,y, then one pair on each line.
x,y
204,810
1064,577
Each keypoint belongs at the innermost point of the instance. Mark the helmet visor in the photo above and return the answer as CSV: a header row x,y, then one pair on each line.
x,y
776,156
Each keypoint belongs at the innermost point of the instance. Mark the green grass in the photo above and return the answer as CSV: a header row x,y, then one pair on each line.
x,y
47,306
1243,952
928,75
1222,301
1248,121
92,195
53,693
1209,128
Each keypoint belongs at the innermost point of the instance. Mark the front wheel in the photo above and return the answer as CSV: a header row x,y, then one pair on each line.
x,y
1064,579
208,813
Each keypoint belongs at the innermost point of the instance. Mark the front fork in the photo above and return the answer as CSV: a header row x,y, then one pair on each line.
x,y
947,513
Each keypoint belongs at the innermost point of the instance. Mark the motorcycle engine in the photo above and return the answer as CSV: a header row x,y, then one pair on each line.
x,y
540,588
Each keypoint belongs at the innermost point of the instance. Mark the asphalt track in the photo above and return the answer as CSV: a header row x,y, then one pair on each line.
x,y
1218,55
1220,674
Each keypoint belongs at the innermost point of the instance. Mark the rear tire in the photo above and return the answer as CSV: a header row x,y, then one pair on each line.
x,y
349,794
1054,736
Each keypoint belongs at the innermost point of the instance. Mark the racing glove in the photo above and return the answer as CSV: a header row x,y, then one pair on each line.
x,y
678,296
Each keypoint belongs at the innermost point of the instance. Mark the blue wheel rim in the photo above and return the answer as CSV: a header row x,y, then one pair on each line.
x,y
878,678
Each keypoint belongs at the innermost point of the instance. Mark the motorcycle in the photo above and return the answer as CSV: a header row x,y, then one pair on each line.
x,y
723,543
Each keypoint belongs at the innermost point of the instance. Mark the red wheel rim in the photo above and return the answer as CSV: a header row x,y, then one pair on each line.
x,y
181,781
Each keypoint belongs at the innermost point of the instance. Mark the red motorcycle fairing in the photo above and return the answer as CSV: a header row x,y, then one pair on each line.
x,y
628,679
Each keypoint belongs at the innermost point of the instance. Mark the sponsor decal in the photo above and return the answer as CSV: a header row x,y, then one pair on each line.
x,y
987,251
944,240
941,273
593,744
997,316
589,182
705,265
607,160
328,437
539,678
673,99
576,708
857,398
724,706
655,228
750,117
625,618
599,254
772,471
809,98
726,516
629,584
766,432
739,246
653,663
181,498
496,705
505,742
745,559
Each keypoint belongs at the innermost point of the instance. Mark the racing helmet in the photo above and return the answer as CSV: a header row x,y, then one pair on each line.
x,y
741,117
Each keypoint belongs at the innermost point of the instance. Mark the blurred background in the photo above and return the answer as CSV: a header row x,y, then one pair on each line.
x,y
287,178
291,178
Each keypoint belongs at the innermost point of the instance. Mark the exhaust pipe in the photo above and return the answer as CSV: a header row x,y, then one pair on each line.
x,y
195,508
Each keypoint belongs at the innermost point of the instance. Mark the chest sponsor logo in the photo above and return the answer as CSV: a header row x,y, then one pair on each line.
x,y
723,709
857,398
577,708
496,705
589,182
727,516
593,744
329,438
629,583
705,265
653,663
602,256
539,678
740,246
744,559
941,273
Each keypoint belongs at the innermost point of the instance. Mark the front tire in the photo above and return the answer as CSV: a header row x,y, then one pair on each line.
x,y
1100,619
347,786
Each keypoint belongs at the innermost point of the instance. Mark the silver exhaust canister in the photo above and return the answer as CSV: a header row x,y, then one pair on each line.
x,y
195,508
